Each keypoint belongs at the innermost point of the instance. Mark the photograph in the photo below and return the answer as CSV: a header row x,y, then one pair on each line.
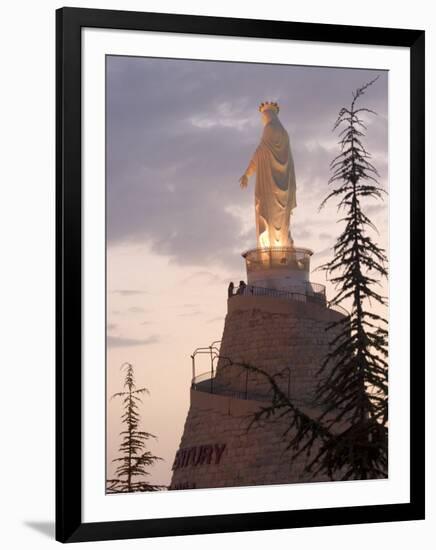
x,y
217,287
247,274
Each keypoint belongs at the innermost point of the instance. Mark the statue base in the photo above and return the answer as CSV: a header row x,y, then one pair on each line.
x,y
284,268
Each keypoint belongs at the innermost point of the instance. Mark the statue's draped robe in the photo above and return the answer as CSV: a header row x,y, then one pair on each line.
x,y
275,194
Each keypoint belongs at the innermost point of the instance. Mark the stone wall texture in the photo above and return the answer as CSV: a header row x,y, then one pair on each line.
x,y
218,449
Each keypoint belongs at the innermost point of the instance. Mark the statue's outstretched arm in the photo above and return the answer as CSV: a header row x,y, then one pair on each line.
x,y
251,169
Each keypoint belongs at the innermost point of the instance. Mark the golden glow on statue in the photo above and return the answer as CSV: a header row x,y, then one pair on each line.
x,y
275,192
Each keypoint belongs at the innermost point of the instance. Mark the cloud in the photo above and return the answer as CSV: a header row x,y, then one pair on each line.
x,y
215,320
121,342
177,148
325,236
129,292
301,232
111,326
136,309
190,314
323,255
204,277
375,209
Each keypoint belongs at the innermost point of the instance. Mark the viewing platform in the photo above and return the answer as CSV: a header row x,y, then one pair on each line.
x,y
304,292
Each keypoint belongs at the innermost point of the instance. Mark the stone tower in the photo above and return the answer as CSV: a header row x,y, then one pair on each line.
x,y
276,321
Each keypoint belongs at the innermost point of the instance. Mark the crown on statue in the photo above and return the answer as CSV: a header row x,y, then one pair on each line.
x,y
271,105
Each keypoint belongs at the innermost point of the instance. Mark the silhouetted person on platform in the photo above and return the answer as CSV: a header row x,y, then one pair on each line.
x,y
230,289
241,288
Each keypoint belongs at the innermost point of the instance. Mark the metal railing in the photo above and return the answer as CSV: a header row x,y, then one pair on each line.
x,y
307,292
313,292
213,351
207,383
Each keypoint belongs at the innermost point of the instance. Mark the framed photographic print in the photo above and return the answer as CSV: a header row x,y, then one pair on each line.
x,y
240,251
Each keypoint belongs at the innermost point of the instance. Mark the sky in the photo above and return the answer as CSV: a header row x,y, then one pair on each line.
x,y
180,134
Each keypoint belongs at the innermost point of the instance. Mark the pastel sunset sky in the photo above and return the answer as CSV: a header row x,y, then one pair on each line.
x,y
180,134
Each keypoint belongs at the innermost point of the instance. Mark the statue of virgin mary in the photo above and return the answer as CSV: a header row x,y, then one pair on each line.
x,y
275,192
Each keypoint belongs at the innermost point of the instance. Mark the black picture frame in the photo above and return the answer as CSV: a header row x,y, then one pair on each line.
x,y
69,525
